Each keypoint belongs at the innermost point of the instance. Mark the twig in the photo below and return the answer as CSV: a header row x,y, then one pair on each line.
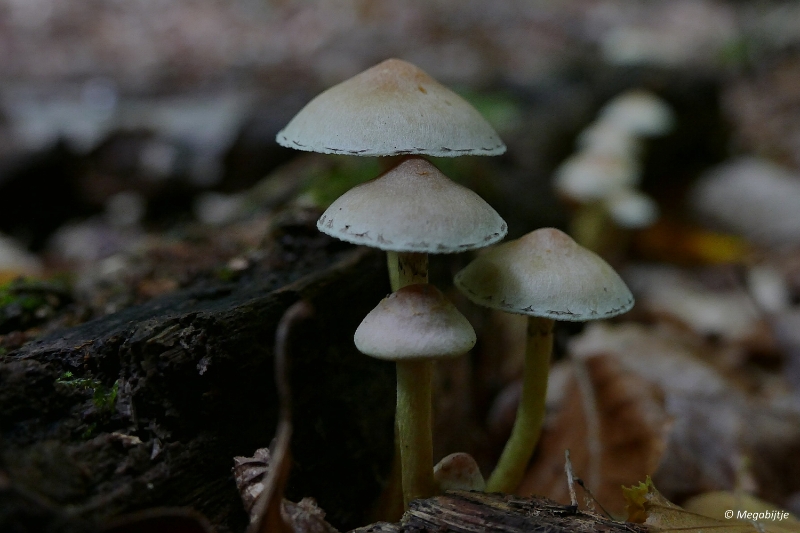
x,y
573,499
268,507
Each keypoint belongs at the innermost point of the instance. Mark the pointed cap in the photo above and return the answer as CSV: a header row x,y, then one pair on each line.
x,y
392,108
545,273
413,208
415,322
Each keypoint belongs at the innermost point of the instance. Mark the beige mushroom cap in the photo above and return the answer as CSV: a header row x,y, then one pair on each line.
x,y
392,108
415,322
640,112
458,471
631,209
585,176
547,274
413,208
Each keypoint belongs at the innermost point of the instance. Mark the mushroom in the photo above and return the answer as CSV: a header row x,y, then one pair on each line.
x,y
605,138
392,108
547,276
631,209
640,112
414,326
410,211
586,180
458,471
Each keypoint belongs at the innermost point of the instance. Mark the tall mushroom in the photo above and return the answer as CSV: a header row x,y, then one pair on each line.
x,y
390,109
410,211
414,326
547,276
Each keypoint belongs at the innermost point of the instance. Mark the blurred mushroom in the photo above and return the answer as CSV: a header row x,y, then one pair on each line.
x,y
458,471
639,112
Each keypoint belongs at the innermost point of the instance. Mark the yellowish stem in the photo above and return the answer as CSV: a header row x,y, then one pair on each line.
x,y
413,418
510,469
406,268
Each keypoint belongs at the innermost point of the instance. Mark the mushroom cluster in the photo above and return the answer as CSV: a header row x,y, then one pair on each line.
x,y
410,211
600,180
413,210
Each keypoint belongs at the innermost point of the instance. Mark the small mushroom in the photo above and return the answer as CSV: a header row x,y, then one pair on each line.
x,y
458,471
631,209
547,276
413,327
605,138
639,112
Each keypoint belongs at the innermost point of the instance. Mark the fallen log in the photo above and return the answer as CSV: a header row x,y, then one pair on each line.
x,y
148,406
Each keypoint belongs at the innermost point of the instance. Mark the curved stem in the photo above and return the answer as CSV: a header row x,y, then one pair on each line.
x,y
510,469
413,420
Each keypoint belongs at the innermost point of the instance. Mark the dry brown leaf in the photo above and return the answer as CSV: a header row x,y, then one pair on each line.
x,y
615,425
677,243
716,504
715,424
648,506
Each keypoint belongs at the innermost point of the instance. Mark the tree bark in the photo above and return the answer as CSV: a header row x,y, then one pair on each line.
x,y
472,512
195,387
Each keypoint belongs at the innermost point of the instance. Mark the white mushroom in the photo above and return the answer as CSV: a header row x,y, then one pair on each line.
x,y
392,108
547,276
414,326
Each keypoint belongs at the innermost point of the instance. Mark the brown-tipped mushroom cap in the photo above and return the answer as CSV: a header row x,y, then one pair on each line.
x,y
416,322
545,273
458,471
413,208
392,108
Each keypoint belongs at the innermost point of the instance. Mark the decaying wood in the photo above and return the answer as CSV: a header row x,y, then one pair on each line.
x,y
195,387
476,512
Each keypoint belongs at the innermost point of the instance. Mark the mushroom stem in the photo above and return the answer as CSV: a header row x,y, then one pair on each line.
x,y
413,419
510,469
406,268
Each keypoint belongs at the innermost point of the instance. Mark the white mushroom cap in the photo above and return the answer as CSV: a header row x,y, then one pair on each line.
x,y
415,322
413,208
631,208
639,112
585,177
458,471
547,274
609,139
392,108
